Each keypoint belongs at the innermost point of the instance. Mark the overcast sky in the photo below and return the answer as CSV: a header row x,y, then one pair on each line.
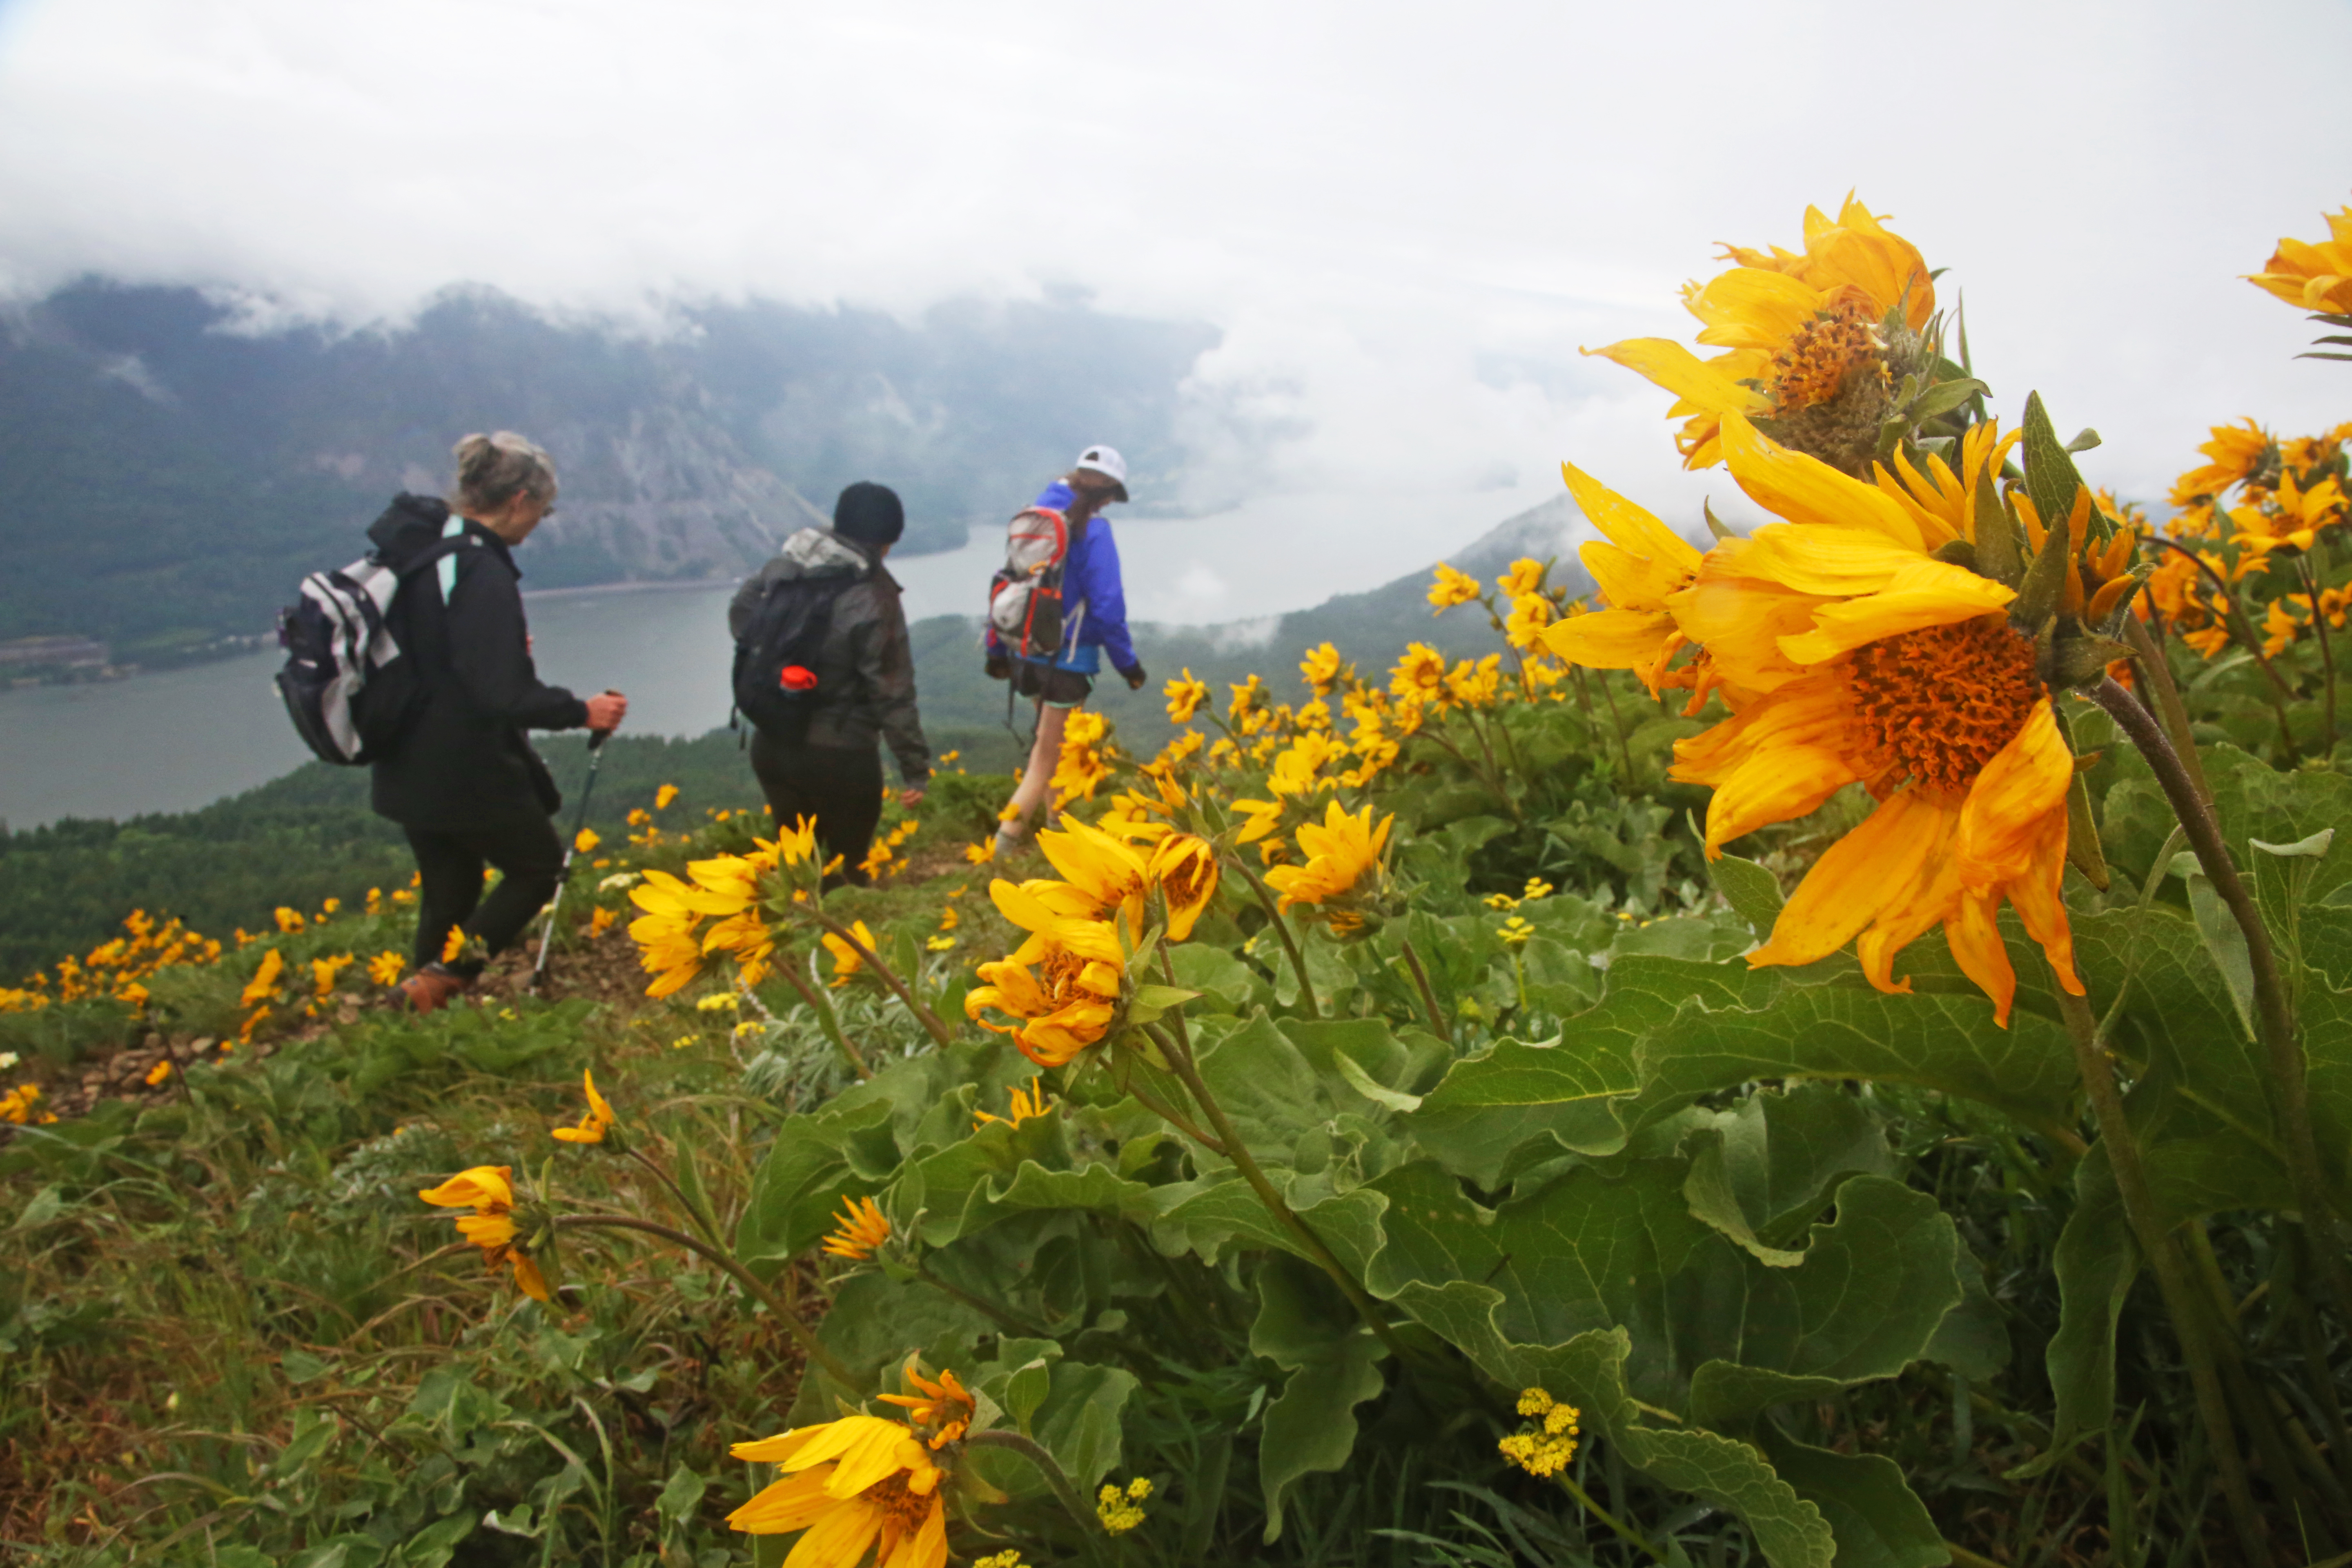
x,y
1405,218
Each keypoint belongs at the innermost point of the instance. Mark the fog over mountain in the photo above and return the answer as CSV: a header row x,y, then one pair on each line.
x,y
167,472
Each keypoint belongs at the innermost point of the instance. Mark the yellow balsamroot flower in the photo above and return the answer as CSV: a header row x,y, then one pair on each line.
x,y
854,1483
668,945
21,1105
2290,517
1801,335
1479,685
1525,576
1448,588
846,959
324,970
2234,456
1530,614
584,842
1184,696
289,920
2313,276
1184,867
1249,697
1060,989
1339,851
386,967
1548,1443
1085,760
488,1191
944,1407
863,1228
1264,817
264,983
1027,1106
1121,1511
664,795
1320,668
982,853
1420,675
1864,660
593,1123
1638,564
1109,875
600,921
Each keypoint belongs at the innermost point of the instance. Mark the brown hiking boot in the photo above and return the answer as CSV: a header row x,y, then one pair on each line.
x,y
429,989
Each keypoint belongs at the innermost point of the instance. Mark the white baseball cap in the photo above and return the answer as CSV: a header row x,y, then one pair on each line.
x,y
1106,460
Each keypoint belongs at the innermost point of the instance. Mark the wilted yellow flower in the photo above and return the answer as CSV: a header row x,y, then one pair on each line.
x,y
1802,335
488,1191
1184,696
664,795
862,1229
1448,588
857,1483
264,983
1068,1001
1027,1105
593,1123
2315,277
1320,667
1184,867
943,1408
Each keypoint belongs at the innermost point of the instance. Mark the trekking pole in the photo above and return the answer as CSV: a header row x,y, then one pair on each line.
x,y
596,739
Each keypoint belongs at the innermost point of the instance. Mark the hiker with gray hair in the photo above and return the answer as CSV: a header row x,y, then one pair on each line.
x,y
461,779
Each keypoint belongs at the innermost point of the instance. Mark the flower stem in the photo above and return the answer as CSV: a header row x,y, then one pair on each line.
x,y
1626,1531
1617,722
2189,1320
923,1015
677,1195
2241,632
811,1346
1281,930
1246,1163
2159,671
2327,656
1428,996
821,1007
2285,1083
1055,1477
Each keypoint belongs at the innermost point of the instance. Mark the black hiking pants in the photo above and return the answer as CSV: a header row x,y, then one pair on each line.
x,y
841,787
449,891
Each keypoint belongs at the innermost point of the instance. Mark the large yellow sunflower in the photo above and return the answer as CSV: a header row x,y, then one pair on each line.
x,y
1804,339
1850,654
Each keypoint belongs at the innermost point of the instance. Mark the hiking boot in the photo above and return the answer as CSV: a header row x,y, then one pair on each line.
x,y
430,989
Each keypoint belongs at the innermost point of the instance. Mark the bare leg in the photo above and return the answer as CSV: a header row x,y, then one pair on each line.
x,y
1044,756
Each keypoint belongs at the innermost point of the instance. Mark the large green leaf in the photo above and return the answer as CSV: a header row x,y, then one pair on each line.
x,y
1770,1162
2095,1262
803,1179
1305,1327
1879,1520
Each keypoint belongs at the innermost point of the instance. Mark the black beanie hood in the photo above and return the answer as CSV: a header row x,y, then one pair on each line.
x,y
871,514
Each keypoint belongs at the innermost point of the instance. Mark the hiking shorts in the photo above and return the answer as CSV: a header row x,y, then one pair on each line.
x,y
1051,684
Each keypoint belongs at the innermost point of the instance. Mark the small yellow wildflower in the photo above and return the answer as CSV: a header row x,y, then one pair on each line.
x,y
324,970
1545,1446
454,945
1000,1560
722,1002
1537,889
1525,576
1515,932
941,945
683,1041
1500,902
664,795
863,1228
1320,667
585,841
600,920
264,983
386,967
1449,588
289,920
982,853
159,1072
1121,1511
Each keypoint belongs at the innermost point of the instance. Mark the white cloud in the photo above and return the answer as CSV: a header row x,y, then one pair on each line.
x,y
1405,218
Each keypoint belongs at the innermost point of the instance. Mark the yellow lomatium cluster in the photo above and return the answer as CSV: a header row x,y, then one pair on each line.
x,y
1547,1444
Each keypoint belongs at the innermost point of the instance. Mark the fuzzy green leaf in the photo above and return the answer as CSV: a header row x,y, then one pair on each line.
x,y
1305,1327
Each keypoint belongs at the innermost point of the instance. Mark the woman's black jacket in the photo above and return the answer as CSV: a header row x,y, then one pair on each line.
x,y
462,764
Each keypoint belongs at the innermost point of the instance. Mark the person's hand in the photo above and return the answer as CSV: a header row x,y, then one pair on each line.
x,y
911,795
606,710
1135,678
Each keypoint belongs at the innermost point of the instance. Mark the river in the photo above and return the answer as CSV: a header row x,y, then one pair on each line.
x,y
178,739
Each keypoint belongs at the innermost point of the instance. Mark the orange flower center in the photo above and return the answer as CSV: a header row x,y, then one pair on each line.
x,y
1183,881
1937,704
905,1508
1813,368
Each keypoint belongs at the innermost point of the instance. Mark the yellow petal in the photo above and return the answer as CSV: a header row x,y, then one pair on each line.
x,y
1609,639
1682,372
2001,822
1974,934
1773,786
1803,489
1740,623
794,1503
1853,880
1931,893
775,1450
1924,593
839,1538
1753,307
1630,527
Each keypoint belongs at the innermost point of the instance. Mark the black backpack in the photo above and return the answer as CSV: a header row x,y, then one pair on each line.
x,y
347,685
776,683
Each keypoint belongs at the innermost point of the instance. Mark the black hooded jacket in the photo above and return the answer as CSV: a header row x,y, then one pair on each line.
x,y
463,762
